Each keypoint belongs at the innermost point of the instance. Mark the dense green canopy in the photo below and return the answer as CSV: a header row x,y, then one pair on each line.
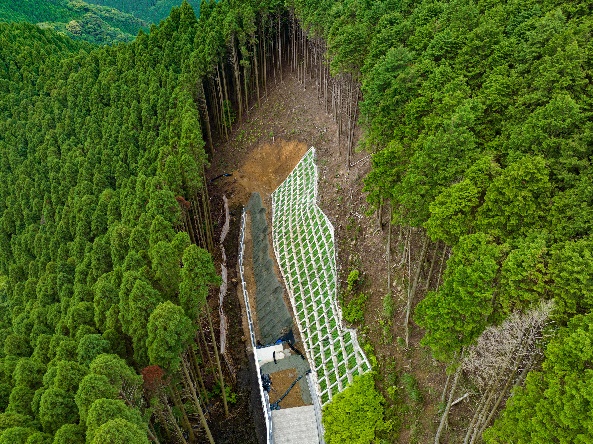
x,y
88,216
478,115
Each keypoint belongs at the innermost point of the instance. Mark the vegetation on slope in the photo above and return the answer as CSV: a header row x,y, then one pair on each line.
x,y
362,404
151,11
101,21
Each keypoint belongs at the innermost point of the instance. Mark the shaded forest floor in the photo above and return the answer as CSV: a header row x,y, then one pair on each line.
x,y
260,153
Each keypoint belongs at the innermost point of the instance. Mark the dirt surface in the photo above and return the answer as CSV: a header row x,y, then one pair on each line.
x,y
261,152
281,381
265,169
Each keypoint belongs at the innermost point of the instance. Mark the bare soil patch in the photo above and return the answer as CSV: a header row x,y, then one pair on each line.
x,y
281,381
265,169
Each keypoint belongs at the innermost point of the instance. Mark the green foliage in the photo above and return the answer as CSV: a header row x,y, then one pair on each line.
x,y
39,438
16,435
70,434
353,311
411,387
150,11
116,370
57,407
554,405
119,431
170,331
86,133
476,112
17,345
353,278
516,201
104,410
524,276
457,313
134,316
29,373
476,116
571,270
90,346
356,414
91,388
197,274
8,420
96,21
388,306
20,400
68,375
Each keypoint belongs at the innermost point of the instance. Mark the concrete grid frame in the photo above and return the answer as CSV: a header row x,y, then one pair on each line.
x,y
304,245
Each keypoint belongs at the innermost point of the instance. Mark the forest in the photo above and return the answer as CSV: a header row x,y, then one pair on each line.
x,y
477,116
100,21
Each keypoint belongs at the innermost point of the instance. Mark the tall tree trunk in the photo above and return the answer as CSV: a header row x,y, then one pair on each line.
x,y
217,358
197,220
264,57
256,67
205,115
389,258
432,262
215,107
207,213
237,74
445,250
304,60
187,224
197,403
221,98
152,434
226,98
173,421
478,415
412,292
203,338
246,81
163,421
445,415
279,49
184,419
198,372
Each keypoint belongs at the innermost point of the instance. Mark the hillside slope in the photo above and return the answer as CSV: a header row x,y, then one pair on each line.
x,y
100,22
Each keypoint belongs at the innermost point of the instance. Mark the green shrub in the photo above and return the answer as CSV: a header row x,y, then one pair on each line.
x,y
354,310
356,414
353,279
388,306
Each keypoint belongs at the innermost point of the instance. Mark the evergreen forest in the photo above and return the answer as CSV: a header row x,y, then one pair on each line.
x,y
100,21
477,118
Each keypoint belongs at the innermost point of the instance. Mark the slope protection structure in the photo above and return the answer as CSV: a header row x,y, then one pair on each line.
x,y
304,245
